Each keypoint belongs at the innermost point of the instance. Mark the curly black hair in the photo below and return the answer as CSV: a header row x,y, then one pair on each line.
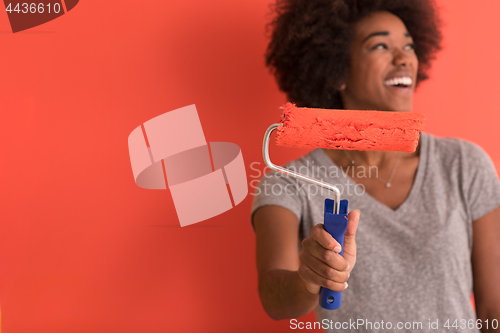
x,y
310,42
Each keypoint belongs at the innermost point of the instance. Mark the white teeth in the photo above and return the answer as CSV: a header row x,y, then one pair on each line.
x,y
407,81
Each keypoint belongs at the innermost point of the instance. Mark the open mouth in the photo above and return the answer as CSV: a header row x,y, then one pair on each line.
x,y
399,82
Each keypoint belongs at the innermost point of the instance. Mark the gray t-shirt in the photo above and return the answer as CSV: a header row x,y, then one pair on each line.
x,y
413,263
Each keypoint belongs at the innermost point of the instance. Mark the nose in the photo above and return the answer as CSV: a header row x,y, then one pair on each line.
x,y
401,58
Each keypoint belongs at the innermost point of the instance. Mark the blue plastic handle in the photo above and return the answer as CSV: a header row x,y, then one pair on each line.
x,y
335,225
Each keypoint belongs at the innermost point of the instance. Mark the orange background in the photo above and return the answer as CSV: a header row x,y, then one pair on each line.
x,y
82,248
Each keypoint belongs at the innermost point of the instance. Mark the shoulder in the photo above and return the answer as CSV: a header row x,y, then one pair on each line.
x,y
465,166
279,189
461,160
454,149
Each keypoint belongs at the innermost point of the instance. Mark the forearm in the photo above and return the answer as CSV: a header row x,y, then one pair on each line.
x,y
284,295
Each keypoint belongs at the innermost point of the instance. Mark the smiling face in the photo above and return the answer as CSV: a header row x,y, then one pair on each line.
x,y
383,69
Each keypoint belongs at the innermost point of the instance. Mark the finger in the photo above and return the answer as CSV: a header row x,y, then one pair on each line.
x,y
322,269
326,240
352,224
332,259
308,275
350,237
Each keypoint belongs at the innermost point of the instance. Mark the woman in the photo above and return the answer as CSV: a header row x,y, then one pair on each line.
x,y
430,229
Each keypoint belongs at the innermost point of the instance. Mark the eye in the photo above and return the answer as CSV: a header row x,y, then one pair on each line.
x,y
380,46
409,47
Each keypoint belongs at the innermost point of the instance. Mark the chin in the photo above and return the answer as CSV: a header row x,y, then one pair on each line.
x,y
407,108
404,107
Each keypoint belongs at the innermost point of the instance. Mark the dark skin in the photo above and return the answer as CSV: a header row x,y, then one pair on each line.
x,y
381,51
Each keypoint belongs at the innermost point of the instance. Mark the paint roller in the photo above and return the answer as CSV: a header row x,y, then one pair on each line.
x,y
341,129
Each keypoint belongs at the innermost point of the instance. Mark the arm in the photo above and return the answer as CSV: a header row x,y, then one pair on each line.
x,y
486,267
282,292
288,289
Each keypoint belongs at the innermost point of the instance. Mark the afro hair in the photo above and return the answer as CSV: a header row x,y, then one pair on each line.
x,y
310,41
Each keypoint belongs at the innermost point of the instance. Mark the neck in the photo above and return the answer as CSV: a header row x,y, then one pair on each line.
x,y
372,158
380,159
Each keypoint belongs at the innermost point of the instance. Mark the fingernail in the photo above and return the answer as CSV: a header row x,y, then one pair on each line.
x,y
348,266
332,244
337,249
346,285
348,274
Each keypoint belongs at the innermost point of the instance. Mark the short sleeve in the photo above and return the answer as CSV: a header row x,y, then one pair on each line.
x,y
275,188
481,180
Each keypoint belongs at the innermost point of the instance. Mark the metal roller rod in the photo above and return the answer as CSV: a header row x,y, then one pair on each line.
x,y
267,160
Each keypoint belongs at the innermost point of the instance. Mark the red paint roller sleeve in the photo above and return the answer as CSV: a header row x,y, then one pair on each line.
x,y
349,129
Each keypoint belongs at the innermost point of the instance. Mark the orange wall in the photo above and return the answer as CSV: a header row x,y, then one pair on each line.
x,y
82,248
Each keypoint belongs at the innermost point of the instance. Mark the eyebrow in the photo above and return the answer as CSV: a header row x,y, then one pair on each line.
x,y
382,33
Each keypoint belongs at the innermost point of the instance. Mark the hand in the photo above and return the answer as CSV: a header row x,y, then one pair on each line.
x,y
321,265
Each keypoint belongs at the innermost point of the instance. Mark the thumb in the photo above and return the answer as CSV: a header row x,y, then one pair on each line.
x,y
349,237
